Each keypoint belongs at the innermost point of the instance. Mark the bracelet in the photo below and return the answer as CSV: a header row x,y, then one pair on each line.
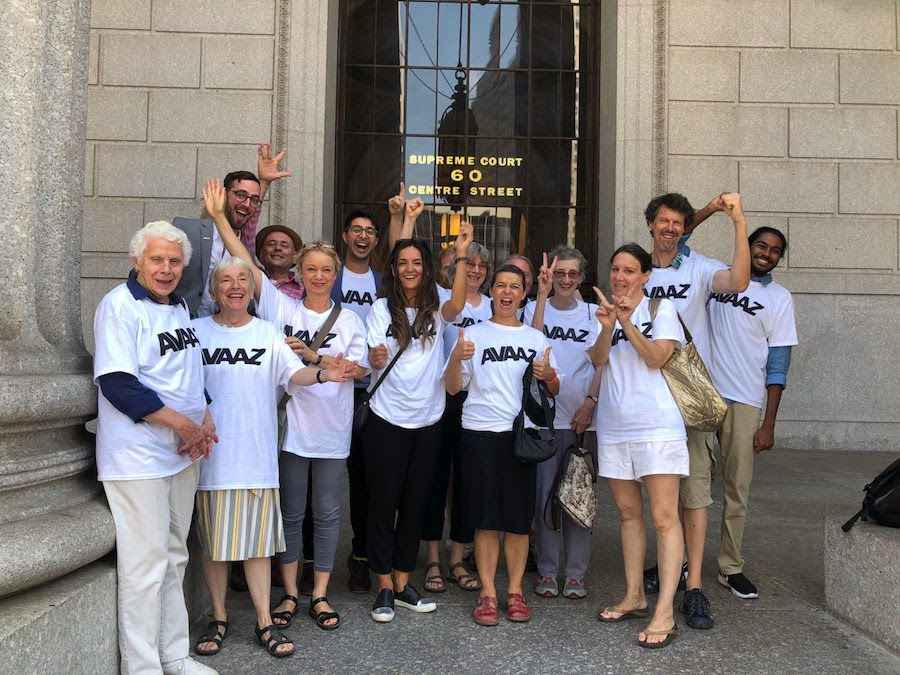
x,y
463,259
319,377
592,397
318,360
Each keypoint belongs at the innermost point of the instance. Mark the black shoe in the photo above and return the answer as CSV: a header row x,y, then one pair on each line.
x,y
383,609
359,582
740,585
651,580
307,578
695,608
410,598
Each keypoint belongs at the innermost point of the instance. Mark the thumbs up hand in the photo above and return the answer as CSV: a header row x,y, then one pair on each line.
x,y
464,349
542,369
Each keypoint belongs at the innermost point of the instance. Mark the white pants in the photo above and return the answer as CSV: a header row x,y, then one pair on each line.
x,y
152,519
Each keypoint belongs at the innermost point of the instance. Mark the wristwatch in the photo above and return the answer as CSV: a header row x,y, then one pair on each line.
x,y
592,397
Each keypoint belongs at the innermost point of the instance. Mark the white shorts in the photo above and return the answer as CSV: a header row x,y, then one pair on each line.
x,y
633,461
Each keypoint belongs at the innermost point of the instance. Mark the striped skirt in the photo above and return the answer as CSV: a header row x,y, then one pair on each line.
x,y
239,524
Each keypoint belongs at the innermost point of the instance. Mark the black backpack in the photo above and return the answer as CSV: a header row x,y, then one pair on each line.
x,y
882,500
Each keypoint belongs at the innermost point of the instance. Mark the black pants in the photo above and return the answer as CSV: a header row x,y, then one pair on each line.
x,y
359,491
400,470
447,465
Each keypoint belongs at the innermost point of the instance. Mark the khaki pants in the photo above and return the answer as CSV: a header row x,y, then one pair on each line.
x,y
695,491
736,440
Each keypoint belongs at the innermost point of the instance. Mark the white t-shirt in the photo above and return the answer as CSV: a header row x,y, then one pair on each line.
x,y
636,405
243,367
744,326
157,345
469,316
493,376
412,394
572,333
688,286
319,416
358,292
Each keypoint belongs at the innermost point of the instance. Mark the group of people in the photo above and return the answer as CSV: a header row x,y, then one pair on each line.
x,y
229,385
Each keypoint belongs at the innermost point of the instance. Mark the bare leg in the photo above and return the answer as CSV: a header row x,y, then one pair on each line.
x,y
320,590
259,580
289,576
515,550
627,495
662,491
695,541
487,553
215,573
434,579
400,580
384,581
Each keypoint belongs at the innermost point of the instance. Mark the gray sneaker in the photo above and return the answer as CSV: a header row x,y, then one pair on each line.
x,y
546,587
574,589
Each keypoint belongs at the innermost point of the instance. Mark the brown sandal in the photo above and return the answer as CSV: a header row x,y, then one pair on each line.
x,y
670,634
434,583
466,580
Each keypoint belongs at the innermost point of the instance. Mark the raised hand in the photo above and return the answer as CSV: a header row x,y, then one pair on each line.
x,y
716,203
463,239
397,203
606,311
731,204
545,275
414,208
625,307
267,165
378,356
464,349
214,198
542,369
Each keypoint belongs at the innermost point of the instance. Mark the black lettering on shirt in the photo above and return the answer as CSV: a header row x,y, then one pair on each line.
x,y
356,298
740,301
560,333
467,321
670,291
221,355
507,353
181,339
619,333
303,336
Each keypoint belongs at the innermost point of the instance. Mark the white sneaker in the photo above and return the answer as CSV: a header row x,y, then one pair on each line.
x,y
187,666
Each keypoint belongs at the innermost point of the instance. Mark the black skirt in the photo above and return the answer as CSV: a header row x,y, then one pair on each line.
x,y
497,491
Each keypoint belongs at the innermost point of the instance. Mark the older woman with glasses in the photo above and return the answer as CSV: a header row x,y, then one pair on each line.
x,y
237,515
571,327
319,422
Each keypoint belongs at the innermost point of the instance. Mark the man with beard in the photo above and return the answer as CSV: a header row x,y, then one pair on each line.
x,y
356,288
244,195
752,336
688,278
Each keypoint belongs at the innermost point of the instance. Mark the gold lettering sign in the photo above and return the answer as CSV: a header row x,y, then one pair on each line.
x,y
466,172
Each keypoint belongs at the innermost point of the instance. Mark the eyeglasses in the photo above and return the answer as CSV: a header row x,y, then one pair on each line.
x,y
476,266
566,274
242,196
357,230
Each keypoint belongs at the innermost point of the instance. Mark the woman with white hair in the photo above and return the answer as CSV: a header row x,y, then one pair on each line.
x,y
152,426
238,512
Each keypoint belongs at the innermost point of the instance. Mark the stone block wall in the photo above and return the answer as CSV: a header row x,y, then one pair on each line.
x,y
178,92
795,104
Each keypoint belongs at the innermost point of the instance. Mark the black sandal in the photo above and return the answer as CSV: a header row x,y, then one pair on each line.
x,y
286,615
274,641
321,617
212,635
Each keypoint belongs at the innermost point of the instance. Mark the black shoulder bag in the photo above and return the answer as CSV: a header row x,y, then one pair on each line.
x,y
530,446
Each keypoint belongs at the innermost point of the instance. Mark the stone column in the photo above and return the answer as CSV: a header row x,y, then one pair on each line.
x,y
53,517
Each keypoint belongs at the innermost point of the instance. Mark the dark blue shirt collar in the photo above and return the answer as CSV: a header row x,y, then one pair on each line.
x,y
684,251
138,292
765,279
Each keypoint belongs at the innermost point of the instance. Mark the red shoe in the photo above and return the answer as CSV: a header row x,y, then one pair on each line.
x,y
516,609
485,613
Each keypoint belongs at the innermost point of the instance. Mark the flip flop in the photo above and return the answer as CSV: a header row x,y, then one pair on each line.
x,y
464,580
436,581
670,634
624,615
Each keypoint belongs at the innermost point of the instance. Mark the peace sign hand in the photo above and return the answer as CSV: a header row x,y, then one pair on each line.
x,y
606,311
545,275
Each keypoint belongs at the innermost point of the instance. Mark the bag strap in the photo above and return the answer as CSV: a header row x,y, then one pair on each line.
x,y
654,306
315,344
384,373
